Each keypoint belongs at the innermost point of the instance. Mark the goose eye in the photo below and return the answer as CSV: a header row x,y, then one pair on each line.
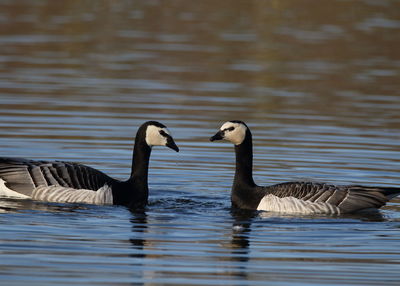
x,y
230,128
163,133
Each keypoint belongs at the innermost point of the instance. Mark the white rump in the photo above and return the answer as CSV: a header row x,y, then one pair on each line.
x,y
6,192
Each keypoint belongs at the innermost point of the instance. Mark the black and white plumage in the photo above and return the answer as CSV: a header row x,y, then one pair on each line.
x,y
293,197
76,183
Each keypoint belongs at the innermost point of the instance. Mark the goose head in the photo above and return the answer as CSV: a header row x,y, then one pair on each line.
x,y
157,134
233,131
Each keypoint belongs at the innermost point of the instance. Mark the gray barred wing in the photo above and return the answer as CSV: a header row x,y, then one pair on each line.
x,y
348,198
23,176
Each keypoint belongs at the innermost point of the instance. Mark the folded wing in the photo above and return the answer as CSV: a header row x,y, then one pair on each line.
x,y
346,198
23,176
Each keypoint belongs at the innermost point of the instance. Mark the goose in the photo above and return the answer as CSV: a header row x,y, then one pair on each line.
x,y
293,197
68,182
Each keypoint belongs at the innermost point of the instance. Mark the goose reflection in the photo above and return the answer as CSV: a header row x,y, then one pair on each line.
x,y
242,226
239,244
139,227
138,242
14,205
240,232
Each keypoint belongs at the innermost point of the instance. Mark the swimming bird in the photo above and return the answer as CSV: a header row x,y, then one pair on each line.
x,y
68,182
293,197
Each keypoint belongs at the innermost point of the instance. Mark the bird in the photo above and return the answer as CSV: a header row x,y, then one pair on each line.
x,y
293,197
69,182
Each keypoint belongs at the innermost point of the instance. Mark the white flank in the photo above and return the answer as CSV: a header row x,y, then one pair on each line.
x,y
6,192
102,196
292,205
237,135
153,136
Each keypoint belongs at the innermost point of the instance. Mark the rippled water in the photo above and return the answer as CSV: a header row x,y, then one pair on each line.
x,y
316,82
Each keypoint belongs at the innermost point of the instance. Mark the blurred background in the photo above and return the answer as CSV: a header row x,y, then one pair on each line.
x,y
316,81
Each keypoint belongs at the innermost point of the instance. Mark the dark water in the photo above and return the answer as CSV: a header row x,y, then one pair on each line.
x,y
318,83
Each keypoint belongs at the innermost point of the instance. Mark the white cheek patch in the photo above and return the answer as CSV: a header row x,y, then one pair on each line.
x,y
237,135
153,136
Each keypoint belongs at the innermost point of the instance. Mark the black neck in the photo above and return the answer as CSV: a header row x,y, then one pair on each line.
x,y
245,193
244,162
135,191
140,161
140,170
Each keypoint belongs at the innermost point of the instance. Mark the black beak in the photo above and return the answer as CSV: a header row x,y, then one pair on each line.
x,y
171,144
218,136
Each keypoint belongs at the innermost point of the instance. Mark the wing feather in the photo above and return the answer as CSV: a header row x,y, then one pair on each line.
x,y
70,195
51,181
23,176
19,178
350,198
34,173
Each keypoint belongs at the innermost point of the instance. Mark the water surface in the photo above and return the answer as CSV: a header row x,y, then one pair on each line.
x,y
316,82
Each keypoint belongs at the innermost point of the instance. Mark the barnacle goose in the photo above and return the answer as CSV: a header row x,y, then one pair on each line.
x,y
76,183
293,197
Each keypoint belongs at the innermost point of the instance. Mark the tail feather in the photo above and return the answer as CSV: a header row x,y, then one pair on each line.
x,y
391,193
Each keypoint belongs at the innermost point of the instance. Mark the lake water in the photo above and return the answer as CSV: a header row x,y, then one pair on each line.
x,y
316,81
